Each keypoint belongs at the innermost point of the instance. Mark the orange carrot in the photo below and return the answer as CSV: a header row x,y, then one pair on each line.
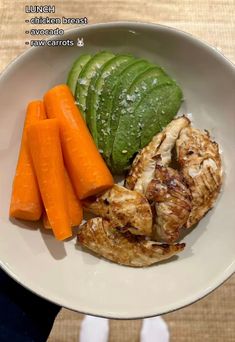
x,y
87,169
74,205
45,220
44,145
26,202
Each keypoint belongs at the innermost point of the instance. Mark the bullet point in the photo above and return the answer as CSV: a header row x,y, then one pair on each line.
x,y
27,32
26,43
27,21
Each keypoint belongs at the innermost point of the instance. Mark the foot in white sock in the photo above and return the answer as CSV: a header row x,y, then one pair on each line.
x,y
154,329
94,329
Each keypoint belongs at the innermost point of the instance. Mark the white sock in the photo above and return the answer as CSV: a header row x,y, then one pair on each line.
x,y
94,329
154,329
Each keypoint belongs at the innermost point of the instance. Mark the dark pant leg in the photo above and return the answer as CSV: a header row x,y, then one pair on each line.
x,y
24,317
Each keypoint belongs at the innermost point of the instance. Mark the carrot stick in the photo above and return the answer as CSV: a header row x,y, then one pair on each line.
x,y
74,205
26,202
45,220
87,169
44,145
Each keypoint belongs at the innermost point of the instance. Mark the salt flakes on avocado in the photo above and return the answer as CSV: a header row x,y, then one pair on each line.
x,y
133,101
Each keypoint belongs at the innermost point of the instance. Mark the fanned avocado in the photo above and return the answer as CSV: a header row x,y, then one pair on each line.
x,y
125,102
153,113
75,71
94,64
126,78
95,89
152,78
103,111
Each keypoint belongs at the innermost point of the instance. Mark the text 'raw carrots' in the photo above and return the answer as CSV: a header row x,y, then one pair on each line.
x,y
74,205
45,148
87,169
25,200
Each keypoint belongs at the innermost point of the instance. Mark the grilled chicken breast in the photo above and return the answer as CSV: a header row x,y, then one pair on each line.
x,y
162,185
99,236
200,164
158,151
171,203
126,209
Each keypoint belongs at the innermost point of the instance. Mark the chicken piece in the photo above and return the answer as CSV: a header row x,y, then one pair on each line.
x,y
200,164
157,151
126,209
163,186
99,236
171,203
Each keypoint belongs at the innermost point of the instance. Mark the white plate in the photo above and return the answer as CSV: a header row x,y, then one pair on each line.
x,y
76,279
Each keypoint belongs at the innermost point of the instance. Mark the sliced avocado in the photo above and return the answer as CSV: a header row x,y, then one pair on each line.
x,y
126,78
153,77
163,104
75,71
125,102
103,112
154,112
90,69
95,89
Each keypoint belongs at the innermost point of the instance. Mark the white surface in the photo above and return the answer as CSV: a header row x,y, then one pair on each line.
x,y
94,329
80,281
154,329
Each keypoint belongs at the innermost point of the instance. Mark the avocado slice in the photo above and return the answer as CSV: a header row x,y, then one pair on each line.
x,y
152,78
89,70
163,104
153,113
75,71
103,112
126,78
95,89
